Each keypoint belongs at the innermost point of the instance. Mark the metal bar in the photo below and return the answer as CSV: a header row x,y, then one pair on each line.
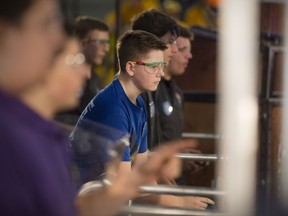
x,y
275,101
284,143
196,156
269,81
152,210
159,189
199,157
200,136
180,190
268,99
89,187
238,114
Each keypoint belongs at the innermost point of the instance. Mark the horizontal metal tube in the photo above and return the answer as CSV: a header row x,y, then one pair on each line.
x,y
160,189
200,136
196,156
199,157
152,210
179,190
90,186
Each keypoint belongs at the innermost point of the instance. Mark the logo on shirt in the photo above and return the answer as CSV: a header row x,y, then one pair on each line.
x,y
167,108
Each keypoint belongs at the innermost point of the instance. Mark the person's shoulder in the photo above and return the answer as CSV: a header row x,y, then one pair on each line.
x,y
107,100
108,94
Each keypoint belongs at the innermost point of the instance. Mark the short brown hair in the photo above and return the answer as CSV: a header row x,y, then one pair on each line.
x,y
155,22
135,44
85,24
186,33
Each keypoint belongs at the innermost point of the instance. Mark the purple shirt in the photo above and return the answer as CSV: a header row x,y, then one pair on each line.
x,y
34,164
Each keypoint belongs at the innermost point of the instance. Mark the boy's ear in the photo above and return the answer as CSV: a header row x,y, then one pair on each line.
x,y
130,68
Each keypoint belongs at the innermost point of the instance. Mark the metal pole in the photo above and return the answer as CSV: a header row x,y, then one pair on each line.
x,y
284,144
199,157
200,136
238,112
180,190
158,189
152,210
196,156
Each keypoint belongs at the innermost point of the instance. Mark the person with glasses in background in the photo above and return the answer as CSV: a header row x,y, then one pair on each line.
x,y
95,39
95,42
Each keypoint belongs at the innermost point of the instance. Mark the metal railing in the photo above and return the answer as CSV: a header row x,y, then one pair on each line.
x,y
200,136
198,157
152,210
160,189
180,190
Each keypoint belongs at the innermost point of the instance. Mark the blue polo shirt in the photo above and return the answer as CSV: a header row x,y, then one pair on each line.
x,y
35,176
112,107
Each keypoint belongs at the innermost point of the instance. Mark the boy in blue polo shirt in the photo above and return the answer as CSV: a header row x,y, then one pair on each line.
x,y
141,64
140,57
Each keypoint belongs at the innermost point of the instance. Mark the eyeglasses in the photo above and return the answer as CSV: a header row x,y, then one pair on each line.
x,y
153,67
75,60
101,42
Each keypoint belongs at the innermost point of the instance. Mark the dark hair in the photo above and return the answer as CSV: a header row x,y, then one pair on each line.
x,y
85,24
186,33
134,44
13,10
155,22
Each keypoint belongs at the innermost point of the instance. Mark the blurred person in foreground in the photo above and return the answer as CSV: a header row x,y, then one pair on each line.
x,y
31,35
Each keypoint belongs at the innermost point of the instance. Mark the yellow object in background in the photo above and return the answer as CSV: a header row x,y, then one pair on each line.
x,y
196,15
130,8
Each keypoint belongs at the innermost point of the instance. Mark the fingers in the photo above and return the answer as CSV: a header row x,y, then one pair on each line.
x,y
203,202
209,201
198,202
